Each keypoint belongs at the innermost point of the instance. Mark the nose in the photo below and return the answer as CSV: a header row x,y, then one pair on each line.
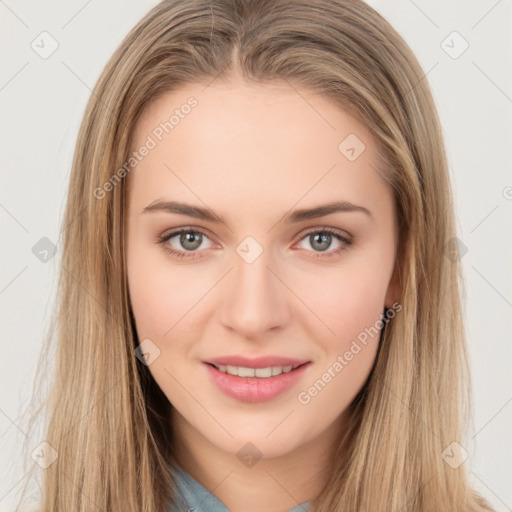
x,y
255,300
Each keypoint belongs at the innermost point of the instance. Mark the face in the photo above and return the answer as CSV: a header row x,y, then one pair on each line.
x,y
246,266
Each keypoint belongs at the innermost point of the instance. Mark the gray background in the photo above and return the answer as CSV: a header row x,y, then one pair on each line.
x,y
42,101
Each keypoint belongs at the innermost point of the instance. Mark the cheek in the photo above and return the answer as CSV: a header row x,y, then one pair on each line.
x,y
162,295
150,298
344,302
352,307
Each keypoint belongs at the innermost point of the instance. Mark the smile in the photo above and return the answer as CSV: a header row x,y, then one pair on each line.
x,y
261,373
255,385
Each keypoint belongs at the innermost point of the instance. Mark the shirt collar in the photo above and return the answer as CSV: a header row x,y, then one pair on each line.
x,y
194,497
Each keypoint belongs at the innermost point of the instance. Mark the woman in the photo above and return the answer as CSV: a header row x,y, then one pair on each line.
x,y
257,307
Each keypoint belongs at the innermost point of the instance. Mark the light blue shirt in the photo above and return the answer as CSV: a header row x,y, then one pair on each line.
x,y
193,497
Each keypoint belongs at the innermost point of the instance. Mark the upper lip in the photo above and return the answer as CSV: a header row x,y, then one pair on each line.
x,y
256,362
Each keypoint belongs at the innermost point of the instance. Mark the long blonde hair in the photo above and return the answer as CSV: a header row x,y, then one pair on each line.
x,y
106,415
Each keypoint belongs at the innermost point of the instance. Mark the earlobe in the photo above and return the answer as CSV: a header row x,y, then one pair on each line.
x,y
394,290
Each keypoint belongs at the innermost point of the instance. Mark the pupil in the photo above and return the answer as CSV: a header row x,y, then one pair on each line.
x,y
187,240
322,238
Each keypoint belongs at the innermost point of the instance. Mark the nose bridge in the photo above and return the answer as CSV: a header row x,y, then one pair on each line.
x,y
255,300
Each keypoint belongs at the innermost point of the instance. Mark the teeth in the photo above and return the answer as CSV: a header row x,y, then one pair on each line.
x,y
263,372
242,371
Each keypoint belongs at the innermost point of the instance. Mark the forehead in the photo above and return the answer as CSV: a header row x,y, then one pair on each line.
x,y
252,143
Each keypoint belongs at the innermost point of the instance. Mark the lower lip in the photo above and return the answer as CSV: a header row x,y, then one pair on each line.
x,y
255,389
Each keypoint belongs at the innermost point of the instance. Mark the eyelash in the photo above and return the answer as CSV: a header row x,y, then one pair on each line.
x,y
162,240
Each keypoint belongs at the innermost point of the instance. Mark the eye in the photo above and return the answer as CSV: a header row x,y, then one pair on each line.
x,y
188,240
321,239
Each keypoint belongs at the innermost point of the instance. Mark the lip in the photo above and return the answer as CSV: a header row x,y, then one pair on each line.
x,y
255,389
256,362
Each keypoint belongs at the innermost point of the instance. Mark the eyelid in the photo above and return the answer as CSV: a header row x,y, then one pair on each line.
x,y
326,229
314,229
170,233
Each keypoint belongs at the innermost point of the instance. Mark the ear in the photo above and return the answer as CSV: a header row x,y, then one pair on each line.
x,y
394,290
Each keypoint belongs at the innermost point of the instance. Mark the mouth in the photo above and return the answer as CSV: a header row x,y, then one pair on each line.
x,y
252,385
260,373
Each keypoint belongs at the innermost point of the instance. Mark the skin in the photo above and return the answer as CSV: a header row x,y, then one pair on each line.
x,y
253,153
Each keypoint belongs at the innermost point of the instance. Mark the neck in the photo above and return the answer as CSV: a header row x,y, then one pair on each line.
x,y
272,484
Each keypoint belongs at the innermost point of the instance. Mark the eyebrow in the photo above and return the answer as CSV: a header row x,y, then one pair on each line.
x,y
290,218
